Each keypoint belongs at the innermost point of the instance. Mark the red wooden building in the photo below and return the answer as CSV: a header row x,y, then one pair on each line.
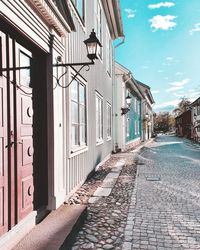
x,y
183,124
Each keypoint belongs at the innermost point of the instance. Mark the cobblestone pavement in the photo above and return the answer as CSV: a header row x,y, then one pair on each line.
x,y
106,221
160,209
166,214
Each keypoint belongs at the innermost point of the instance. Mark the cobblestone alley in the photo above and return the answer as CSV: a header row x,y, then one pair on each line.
x,y
158,210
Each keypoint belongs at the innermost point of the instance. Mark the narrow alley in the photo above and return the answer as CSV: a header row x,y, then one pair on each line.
x,y
163,208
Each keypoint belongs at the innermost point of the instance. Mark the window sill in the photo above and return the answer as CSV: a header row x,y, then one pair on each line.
x,y
78,150
99,142
109,138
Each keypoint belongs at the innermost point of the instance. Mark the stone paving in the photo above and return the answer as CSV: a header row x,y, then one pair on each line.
x,y
107,211
165,213
160,209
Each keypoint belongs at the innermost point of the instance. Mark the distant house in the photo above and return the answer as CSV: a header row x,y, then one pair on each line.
x,y
183,124
147,112
132,110
126,110
195,120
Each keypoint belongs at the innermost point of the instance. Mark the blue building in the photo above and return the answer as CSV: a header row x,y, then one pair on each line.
x,y
127,110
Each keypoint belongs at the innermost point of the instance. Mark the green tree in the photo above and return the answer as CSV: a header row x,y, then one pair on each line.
x,y
163,121
183,106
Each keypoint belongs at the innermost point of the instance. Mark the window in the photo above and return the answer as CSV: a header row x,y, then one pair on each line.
x,y
109,115
135,104
108,52
127,125
138,107
99,118
25,61
80,6
198,109
78,114
135,127
98,25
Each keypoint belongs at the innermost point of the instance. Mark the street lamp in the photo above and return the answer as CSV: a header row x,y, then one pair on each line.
x,y
92,45
128,103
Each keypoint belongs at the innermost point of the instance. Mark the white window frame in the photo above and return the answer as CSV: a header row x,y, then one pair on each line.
x,y
109,120
127,125
99,118
108,52
98,15
80,17
138,107
135,104
80,145
135,127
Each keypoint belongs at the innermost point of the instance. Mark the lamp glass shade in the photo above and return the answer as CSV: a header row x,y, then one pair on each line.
x,y
128,100
92,44
91,50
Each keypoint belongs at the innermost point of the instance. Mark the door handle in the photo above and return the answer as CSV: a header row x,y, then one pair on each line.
x,y
13,142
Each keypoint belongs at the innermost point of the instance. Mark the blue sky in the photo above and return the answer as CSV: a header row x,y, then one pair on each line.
x,y
162,48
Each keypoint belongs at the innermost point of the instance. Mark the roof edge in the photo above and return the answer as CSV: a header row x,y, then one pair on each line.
x,y
113,16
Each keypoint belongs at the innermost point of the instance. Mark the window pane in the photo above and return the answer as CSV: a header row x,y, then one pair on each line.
x,y
79,4
81,94
80,7
25,73
82,114
74,91
82,134
74,112
108,121
74,134
99,118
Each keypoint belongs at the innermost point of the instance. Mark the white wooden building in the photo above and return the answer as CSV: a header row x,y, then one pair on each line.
x,y
51,137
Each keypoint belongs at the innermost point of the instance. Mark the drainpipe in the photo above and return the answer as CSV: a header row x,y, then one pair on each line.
x,y
114,101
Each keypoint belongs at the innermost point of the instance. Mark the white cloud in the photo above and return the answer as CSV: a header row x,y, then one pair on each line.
x,y
174,88
191,94
166,104
130,13
178,94
155,91
169,58
166,78
145,67
181,83
160,71
179,73
161,4
195,29
162,22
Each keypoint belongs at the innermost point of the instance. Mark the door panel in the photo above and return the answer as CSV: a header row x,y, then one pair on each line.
x,y
24,144
3,144
16,134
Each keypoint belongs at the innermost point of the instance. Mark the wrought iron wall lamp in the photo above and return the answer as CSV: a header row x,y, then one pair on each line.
x,y
92,46
128,103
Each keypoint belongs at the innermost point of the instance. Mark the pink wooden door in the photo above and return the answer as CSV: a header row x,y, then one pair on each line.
x,y
24,133
16,134
3,142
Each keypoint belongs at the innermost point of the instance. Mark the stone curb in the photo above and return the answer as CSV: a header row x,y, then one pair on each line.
x,y
108,183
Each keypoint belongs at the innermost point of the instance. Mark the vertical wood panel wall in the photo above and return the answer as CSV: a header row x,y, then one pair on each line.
x,y
79,166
